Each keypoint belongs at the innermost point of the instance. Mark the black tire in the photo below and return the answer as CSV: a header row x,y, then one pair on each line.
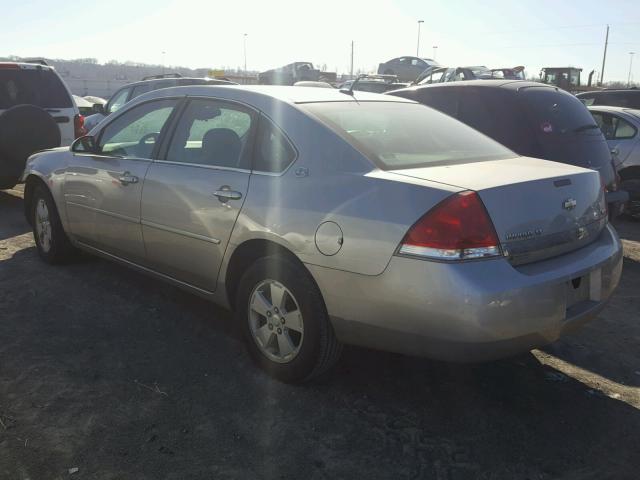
x,y
632,186
319,348
60,249
24,130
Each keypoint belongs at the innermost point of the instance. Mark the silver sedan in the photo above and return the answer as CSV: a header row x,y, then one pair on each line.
x,y
621,128
325,217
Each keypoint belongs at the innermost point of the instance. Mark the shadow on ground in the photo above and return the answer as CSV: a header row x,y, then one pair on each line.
x,y
122,376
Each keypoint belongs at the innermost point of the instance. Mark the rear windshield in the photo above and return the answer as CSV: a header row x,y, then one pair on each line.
x,y
41,87
406,135
557,113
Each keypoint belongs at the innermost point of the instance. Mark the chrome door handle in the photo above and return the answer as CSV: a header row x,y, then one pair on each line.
x,y
615,151
225,194
126,178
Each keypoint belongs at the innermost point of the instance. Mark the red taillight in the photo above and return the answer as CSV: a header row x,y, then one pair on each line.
x,y
9,66
458,228
78,126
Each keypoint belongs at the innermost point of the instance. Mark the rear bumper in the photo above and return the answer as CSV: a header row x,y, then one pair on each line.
x,y
471,311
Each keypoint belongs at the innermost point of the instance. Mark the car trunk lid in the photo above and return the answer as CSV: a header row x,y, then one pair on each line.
x,y
540,209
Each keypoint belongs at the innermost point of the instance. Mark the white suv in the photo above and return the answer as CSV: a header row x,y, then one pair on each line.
x,y
40,85
37,112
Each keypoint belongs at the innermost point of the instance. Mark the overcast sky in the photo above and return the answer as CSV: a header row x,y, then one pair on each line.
x,y
209,33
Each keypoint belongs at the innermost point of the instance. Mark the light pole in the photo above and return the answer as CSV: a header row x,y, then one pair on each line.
x,y
435,51
163,57
245,54
631,54
420,22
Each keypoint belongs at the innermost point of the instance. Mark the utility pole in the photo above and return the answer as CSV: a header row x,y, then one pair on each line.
x,y
420,22
351,74
604,56
245,54
631,54
163,57
435,51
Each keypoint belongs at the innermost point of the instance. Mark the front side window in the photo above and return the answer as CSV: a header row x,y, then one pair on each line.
x,y
212,133
406,135
118,100
134,133
273,152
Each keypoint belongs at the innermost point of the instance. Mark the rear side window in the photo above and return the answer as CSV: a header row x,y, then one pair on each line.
x,y
273,152
41,87
140,89
614,127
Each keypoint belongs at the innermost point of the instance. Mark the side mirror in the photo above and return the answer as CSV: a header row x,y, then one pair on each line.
x,y
98,108
86,144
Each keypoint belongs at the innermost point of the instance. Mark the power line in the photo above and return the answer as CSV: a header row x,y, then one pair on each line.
x,y
555,27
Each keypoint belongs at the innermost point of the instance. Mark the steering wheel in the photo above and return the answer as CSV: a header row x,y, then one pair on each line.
x,y
144,141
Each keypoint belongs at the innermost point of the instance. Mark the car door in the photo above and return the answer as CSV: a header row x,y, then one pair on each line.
x,y
620,134
102,190
193,194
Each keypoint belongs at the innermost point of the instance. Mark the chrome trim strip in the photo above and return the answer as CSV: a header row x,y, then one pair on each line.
x,y
158,226
145,269
210,167
104,212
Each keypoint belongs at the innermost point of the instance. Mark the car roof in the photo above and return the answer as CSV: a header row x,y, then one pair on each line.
x,y
617,91
611,108
287,94
29,66
177,80
514,85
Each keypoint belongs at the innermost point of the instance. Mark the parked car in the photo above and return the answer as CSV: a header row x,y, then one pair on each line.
x,y
326,218
459,74
36,112
310,83
629,98
530,118
372,83
620,128
85,107
147,84
406,69
440,74
293,73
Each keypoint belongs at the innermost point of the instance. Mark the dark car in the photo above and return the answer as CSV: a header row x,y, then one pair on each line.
x,y
629,98
147,84
532,119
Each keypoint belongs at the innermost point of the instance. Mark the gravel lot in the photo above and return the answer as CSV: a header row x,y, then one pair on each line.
x,y
123,377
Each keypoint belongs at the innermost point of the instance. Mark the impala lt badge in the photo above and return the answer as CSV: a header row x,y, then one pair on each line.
x,y
569,204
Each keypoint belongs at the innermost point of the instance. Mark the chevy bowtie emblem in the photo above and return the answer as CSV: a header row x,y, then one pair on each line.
x,y
569,204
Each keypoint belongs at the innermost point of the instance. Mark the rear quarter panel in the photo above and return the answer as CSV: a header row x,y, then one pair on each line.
x,y
374,209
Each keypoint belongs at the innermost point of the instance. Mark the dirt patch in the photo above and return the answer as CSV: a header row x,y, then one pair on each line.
x,y
123,377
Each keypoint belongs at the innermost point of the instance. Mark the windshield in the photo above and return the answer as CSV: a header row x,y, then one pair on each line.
x,y
406,135
40,87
